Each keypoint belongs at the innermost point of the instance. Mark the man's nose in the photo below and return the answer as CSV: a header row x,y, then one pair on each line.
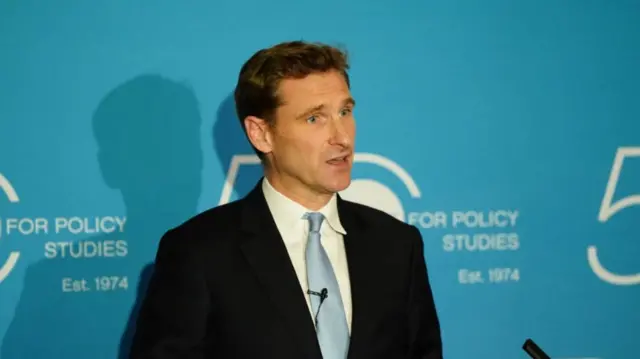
x,y
339,134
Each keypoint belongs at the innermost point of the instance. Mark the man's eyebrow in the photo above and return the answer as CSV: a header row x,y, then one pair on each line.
x,y
311,110
349,101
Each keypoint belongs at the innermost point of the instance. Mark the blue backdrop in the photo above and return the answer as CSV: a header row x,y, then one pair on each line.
x,y
508,132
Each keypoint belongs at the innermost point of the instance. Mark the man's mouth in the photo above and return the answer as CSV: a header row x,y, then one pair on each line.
x,y
339,160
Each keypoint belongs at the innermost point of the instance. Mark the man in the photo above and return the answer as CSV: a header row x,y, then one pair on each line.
x,y
292,270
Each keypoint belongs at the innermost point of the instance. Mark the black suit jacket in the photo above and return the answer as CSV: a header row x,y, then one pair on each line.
x,y
224,287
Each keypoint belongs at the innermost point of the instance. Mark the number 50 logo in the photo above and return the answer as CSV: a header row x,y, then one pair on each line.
x,y
607,210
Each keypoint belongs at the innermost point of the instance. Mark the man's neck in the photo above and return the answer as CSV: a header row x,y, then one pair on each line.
x,y
297,192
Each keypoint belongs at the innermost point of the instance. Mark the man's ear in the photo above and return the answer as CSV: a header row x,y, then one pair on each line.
x,y
259,133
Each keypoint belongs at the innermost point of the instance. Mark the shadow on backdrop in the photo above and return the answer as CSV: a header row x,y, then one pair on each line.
x,y
148,135
229,140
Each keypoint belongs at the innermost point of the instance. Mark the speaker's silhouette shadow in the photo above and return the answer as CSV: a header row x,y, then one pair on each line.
x,y
229,140
148,136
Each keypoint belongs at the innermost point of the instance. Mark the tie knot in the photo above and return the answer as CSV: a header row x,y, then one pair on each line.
x,y
315,220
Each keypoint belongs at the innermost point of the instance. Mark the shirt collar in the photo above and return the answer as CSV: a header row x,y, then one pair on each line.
x,y
289,212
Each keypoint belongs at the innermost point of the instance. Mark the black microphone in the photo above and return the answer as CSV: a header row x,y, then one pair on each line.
x,y
323,294
534,350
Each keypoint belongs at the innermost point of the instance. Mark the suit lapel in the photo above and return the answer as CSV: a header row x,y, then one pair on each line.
x,y
265,251
361,261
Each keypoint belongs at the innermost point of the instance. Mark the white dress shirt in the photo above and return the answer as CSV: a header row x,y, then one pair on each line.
x,y
294,230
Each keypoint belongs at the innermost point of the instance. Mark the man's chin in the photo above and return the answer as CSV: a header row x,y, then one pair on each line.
x,y
337,185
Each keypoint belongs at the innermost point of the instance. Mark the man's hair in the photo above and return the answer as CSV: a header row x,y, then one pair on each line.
x,y
256,92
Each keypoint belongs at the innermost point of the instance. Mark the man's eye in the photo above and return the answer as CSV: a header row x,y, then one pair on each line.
x,y
312,119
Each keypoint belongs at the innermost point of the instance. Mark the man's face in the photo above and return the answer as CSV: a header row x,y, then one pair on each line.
x,y
313,136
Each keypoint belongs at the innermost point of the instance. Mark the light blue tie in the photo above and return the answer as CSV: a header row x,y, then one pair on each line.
x,y
331,321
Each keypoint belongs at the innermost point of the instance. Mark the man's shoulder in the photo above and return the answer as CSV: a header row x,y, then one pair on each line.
x,y
379,220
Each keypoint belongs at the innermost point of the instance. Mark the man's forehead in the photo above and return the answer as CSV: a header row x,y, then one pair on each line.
x,y
313,94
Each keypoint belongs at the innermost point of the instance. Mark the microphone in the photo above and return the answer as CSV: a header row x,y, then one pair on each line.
x,y
534,350
323,294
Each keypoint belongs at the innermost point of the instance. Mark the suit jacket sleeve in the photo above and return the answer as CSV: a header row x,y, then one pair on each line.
x,y
424,326
172,318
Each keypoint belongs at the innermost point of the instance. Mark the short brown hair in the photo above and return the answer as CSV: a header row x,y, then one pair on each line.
x,y
256,92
